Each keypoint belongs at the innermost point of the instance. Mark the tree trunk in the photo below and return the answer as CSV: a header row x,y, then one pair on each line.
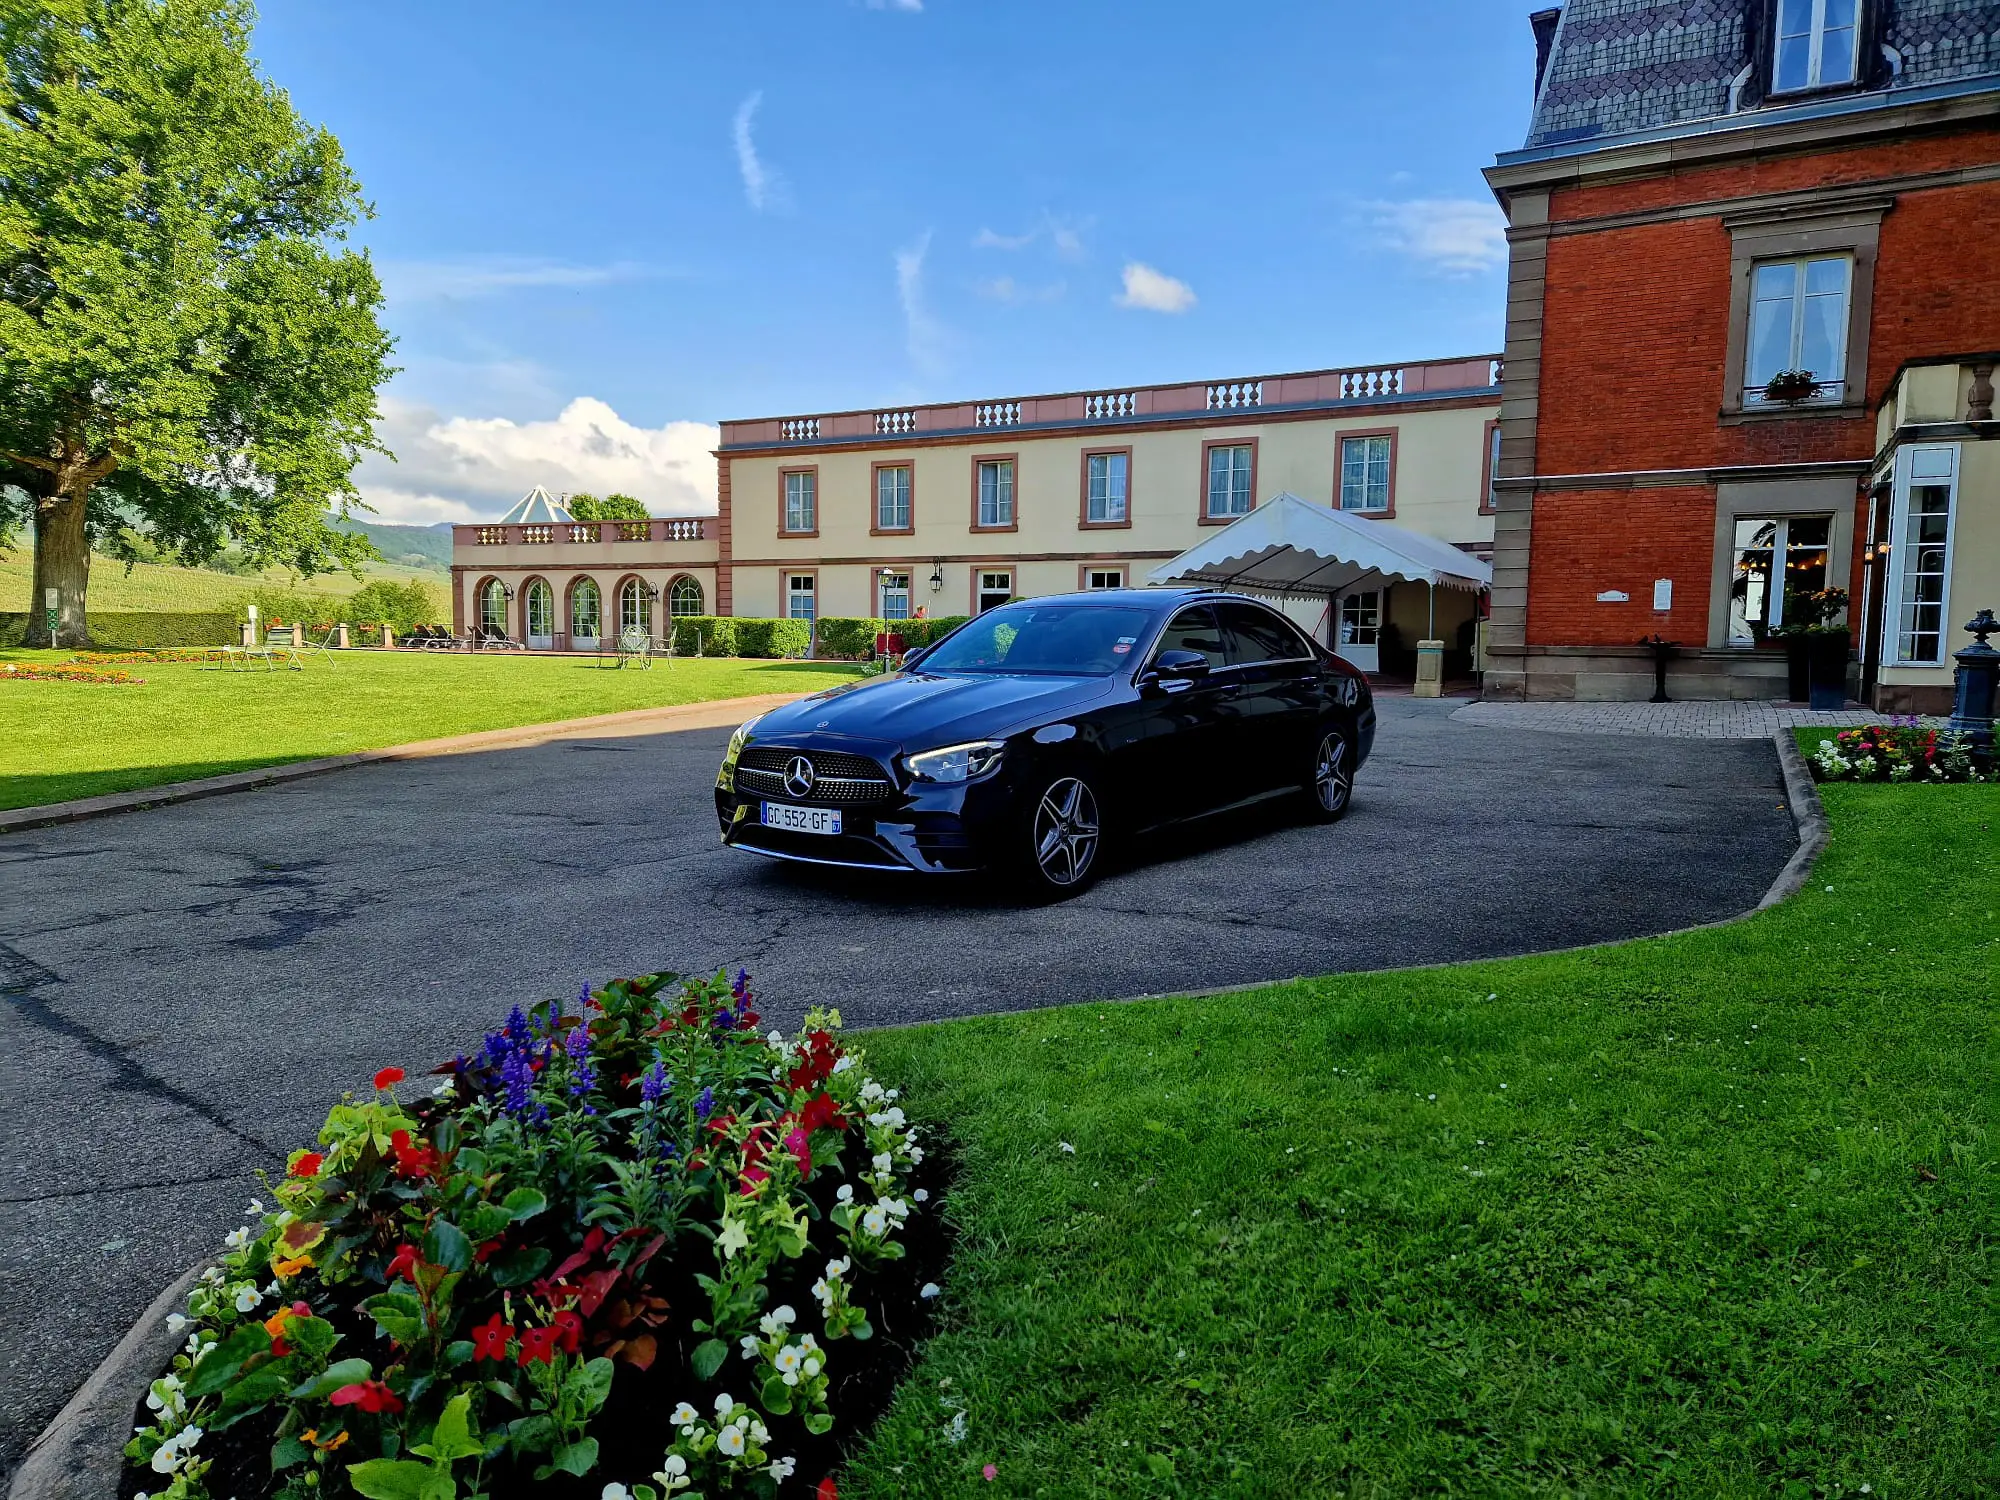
x,y
62,563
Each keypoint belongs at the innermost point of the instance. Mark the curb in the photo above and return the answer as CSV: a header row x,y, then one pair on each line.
x,y
81,1454
1814,831
713,714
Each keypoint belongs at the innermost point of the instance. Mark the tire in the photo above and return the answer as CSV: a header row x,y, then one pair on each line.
x,y
1329,788
1060,837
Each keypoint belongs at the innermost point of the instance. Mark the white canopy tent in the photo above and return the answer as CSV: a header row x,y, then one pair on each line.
x,y
1293,549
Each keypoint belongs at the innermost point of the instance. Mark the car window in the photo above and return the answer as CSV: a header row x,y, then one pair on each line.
x,y
1195,630
1255,635
1050,639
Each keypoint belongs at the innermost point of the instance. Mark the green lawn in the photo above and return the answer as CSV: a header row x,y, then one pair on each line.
x,y
1711,1215
63,740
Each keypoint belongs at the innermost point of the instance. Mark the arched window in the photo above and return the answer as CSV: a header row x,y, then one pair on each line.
x,y
493,608
586,610
685,598
541,615
635,606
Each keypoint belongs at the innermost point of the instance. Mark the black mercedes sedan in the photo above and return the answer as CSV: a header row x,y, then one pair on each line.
x,y
1035,735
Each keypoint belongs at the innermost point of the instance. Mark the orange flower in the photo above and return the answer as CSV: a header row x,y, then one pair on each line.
x,y
311,1435
286,1269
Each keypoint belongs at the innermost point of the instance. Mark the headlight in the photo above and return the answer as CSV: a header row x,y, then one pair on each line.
x,y
740,738
955,762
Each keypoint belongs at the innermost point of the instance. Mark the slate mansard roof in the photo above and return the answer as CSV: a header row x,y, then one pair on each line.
x,y
1619,66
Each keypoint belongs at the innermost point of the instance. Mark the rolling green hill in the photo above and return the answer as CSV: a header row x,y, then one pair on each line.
x,y
153,586
427,547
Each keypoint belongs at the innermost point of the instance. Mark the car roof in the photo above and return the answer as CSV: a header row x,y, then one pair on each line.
x,y
1159,599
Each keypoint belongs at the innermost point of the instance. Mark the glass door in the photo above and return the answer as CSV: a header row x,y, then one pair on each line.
x,y
1361,630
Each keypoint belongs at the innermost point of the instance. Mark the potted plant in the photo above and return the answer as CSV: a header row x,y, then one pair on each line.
x,y
1815,643
1790,387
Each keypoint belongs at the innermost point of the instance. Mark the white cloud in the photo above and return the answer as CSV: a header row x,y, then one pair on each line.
x,y
469,468
764,186
1065,237
1154,291
487,276
1458,236
1007,289
924,336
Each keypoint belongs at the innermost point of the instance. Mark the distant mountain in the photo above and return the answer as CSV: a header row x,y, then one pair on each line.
x,y
411,546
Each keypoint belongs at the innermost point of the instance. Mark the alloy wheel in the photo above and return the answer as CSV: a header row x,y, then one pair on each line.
x,y
1066,832
1333,775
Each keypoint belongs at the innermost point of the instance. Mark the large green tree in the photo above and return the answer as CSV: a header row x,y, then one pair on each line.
x,y
185,343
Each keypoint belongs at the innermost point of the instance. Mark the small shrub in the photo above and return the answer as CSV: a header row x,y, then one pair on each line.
x,y
928,632
717,635
404,606
773,638
630,1237
1902,750
848,639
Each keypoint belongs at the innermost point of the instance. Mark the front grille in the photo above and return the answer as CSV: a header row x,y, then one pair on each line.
x,y
839,779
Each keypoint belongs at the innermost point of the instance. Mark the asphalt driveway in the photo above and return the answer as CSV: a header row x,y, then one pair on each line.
x,y
186,989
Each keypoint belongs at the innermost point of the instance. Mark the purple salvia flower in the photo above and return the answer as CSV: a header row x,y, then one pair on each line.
x,y
704,1104
518,1033
741,989
583,1073
518,1077
656,1085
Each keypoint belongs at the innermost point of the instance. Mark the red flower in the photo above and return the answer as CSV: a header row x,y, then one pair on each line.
x,y
821,1112
489,1340
307,1165
538,1346
827,1490
568,1328
801,1148
412,1161
369,1395
403,1263
275,1326
388,1078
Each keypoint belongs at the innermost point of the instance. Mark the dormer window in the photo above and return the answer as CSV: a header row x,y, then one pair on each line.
x,y
1816,45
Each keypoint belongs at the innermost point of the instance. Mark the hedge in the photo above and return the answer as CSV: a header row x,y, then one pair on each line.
x,y
727,635
141,629
849,639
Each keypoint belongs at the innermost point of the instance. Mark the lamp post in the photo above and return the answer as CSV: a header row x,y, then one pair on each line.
x,y
52,601
937,575
1978,675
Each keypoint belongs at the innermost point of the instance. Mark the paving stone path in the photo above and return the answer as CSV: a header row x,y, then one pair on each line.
x,y
1680,721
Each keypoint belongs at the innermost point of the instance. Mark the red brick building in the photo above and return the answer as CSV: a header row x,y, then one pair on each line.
x,y
1715,195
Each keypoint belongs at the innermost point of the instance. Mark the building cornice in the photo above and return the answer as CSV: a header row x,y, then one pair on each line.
x,y
1659,479
1815,125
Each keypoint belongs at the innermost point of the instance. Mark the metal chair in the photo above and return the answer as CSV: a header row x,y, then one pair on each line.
x,y
635,644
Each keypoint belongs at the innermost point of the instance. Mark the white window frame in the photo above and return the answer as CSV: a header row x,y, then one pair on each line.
x,y
883,590
1102,507
982,575
576,597
1234,473
892,497
1832,391
641,613
540,598
1388,473
801,501
488,610
1001,513
674,594
1091,575
1908,461
1777,585
1815,31
794,594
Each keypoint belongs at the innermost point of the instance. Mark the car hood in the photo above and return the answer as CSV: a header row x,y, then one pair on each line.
x,y
920,711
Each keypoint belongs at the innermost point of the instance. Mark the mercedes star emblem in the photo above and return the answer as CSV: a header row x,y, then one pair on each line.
x,y
799,776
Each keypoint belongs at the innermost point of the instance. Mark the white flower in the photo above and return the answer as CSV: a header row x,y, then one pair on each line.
x,y
723,1405
749,1344
870,1090
776,1040
890,1117
176,1322
683,1415
931,1289
212,1276
825,1294
843,1065
846,1193
730,1441
784,1314
734,1237
1066,1148
188,1436
759,1434
806,1342
893,1094
916,1155
781,1468
836,1268
922,1195
674,1464
615,1492
247,1297
166,1458
443,1088
194,1348
956,1432
788,1359
896,1208
875,1222
256,1206
884,1161
237,1238
812,1367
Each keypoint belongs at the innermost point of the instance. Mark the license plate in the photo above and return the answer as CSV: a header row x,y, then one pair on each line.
x,y
802,819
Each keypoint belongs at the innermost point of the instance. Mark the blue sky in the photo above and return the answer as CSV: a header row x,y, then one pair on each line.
x,y
604,225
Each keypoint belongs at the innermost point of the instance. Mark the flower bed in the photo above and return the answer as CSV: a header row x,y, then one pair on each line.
x,y
1902,750
635,1247
67,671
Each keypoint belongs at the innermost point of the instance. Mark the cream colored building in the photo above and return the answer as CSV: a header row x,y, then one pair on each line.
x,y
1933,554
946,509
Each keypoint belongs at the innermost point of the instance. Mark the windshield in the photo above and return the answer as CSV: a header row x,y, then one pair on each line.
x,y
1062,640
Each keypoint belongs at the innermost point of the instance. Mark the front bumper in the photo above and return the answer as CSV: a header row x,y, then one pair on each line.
x,y
916,826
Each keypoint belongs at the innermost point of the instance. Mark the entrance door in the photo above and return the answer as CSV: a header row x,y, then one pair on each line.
x,y
541,616
1360,632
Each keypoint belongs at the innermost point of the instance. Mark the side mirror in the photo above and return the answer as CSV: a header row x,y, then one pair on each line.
x,y
1174,671
914,658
